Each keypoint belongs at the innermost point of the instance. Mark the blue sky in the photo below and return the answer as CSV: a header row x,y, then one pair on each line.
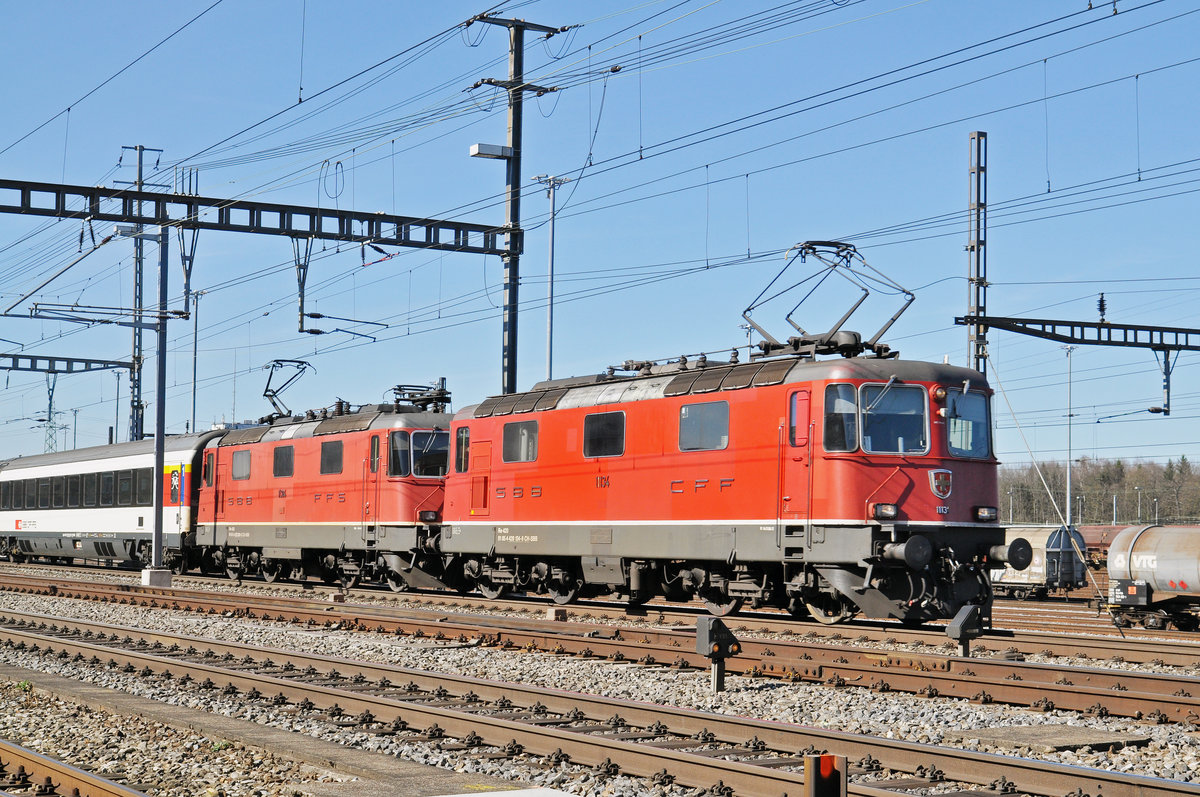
x,y
730,132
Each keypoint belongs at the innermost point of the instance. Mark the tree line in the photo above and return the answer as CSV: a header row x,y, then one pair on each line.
x,y
1144,492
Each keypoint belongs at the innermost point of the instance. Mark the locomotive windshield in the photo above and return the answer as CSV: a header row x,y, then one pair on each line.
x,y
893,419
967,424
424,454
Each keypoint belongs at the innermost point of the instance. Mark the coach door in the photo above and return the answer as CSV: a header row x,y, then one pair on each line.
x,y
795,448
370,489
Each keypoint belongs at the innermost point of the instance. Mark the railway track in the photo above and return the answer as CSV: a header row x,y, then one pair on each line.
x,y
1155,697
24,772
725,754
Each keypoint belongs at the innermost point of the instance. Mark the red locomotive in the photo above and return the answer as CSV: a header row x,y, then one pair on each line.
x,y
831,487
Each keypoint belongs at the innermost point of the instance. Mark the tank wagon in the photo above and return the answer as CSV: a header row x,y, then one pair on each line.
x,y
1056,564
834,487
1154,576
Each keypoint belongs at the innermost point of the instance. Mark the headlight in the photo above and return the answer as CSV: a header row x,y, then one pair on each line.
x,y
885,512
429,516
986,513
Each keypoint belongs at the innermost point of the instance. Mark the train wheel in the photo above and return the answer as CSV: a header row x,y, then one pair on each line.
x,y
719,604
1185,622
828,610
564,591
395,582
1020,594
271,570
490,589
233,572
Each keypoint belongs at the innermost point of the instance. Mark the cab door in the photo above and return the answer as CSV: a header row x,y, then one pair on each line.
x,y
370,489
795,455
481,478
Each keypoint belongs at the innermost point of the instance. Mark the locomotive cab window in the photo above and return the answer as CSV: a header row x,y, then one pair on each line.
x,y
241,465
373,458
462,449
285,461
893,419
841,418
207,467
430,454
967,424
399,458
520,441
331,456
798,419
604,434
704,427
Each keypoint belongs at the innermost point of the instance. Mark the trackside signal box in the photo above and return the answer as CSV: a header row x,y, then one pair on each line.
x,y
715,640
825,776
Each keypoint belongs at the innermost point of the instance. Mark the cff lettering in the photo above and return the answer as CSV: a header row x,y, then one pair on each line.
x,y
699,485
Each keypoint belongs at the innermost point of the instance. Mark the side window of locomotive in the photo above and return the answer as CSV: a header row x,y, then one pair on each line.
x,y
209,463
704,427
462,449
841,418
604,434
241,466
520,441
145,486
285,461
399,457
73,491
107,488
431,454
331,456
893,419
798,419
124,488
90,488
967,424
374,456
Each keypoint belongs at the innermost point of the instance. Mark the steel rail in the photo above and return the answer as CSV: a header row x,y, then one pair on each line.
x,y
1037,777
42,772
1160,697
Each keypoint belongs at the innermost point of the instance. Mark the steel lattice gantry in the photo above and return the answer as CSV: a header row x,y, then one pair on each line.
x,y
187,211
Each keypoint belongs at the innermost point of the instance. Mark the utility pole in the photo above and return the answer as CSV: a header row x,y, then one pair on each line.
x,y
511,154
195,337
1070,419
137,407
551,182
977,252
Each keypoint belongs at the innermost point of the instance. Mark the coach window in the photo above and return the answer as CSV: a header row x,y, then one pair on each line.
x,y
107,488
604,434
841,418
5,494
893,419
399,458
145,486
124,488
430,454
704,427
73,491
43,493
58,491
374,460
520,441
285,461
241,465
331,456
967,424
462,449
31,493
90,481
